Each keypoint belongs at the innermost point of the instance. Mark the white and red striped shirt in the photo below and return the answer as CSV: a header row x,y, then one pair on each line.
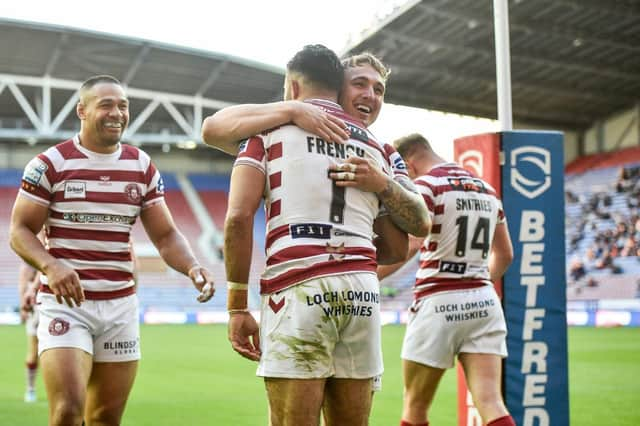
x,y
94,200
315,228
465,211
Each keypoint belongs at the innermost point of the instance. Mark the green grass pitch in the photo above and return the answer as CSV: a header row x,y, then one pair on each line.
x,y
190,376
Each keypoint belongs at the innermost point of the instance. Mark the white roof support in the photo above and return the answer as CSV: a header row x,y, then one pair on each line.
x,y
48,124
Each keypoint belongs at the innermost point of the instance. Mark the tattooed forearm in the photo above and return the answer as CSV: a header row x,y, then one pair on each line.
x,y
406,207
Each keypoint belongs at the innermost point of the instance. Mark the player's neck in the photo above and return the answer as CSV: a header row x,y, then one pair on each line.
x,y
94,145
318,94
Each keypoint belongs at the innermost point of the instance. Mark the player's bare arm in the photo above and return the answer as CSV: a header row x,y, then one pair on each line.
x,y
501,254
399,195
391,242
226,128
384,271
27,219
245,193
175,249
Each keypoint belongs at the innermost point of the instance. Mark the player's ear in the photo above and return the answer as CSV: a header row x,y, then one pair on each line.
x,y
80,110
295,89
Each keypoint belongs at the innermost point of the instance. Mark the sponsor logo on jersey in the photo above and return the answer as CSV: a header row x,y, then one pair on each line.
x,y
133,192
398,162
534,163
98,218
160,187
357,133
75,190
58,327
310,230
34,171
105,181
467,184
453,267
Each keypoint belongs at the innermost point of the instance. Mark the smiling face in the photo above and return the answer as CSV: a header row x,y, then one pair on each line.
x,y
104,112
362,93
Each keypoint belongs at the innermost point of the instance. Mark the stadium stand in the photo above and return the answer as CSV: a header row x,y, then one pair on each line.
x,y
603,226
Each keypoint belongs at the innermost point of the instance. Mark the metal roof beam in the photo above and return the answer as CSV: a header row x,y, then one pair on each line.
x,y
135,65
55,55
213,76
532,25
442,43
489,81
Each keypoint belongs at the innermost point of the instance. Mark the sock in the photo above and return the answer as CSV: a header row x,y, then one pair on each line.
x,y
32,369
502,421
406,423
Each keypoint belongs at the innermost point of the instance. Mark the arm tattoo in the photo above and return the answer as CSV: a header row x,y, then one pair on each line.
x,y
405,206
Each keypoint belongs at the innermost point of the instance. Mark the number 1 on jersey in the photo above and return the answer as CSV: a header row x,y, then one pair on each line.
x,y
336,212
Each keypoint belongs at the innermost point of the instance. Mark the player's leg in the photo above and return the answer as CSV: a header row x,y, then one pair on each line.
x,y
109,387
428,350
294,402
481,357
420,384
297,344
115,361
483,374
31,358
65,346
357,356
65,372
347,402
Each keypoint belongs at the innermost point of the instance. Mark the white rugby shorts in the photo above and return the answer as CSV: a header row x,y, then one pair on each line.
x,y
325,327
445,324
107,329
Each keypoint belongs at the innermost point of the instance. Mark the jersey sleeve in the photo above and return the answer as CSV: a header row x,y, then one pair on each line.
x,y
398,166
155,187
252,153
36,180
502,219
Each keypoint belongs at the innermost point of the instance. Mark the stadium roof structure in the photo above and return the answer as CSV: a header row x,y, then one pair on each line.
x,y
170,88
573,62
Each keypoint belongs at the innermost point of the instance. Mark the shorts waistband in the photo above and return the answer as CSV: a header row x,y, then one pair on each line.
x,y
98,295
439,289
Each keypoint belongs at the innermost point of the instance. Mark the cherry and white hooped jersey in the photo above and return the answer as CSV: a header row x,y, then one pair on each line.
x,y
314,227
465,211
94,200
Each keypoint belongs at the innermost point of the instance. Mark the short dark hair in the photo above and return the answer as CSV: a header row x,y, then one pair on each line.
x,y
410,144
96,79
320,65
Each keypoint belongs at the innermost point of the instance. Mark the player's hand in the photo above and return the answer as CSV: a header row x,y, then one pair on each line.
x,y
244,335
360,173
65,284
202,280
315,120
28,300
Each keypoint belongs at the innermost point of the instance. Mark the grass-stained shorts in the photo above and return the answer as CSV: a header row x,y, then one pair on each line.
x,y
325,327
445,324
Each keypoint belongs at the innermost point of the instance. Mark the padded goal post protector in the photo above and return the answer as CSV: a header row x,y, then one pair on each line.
x,y
527,170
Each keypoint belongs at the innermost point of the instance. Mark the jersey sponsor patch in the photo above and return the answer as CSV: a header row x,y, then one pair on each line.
x,y
75,190
467,184
160,187
453,267
34,172
310,230
357,133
